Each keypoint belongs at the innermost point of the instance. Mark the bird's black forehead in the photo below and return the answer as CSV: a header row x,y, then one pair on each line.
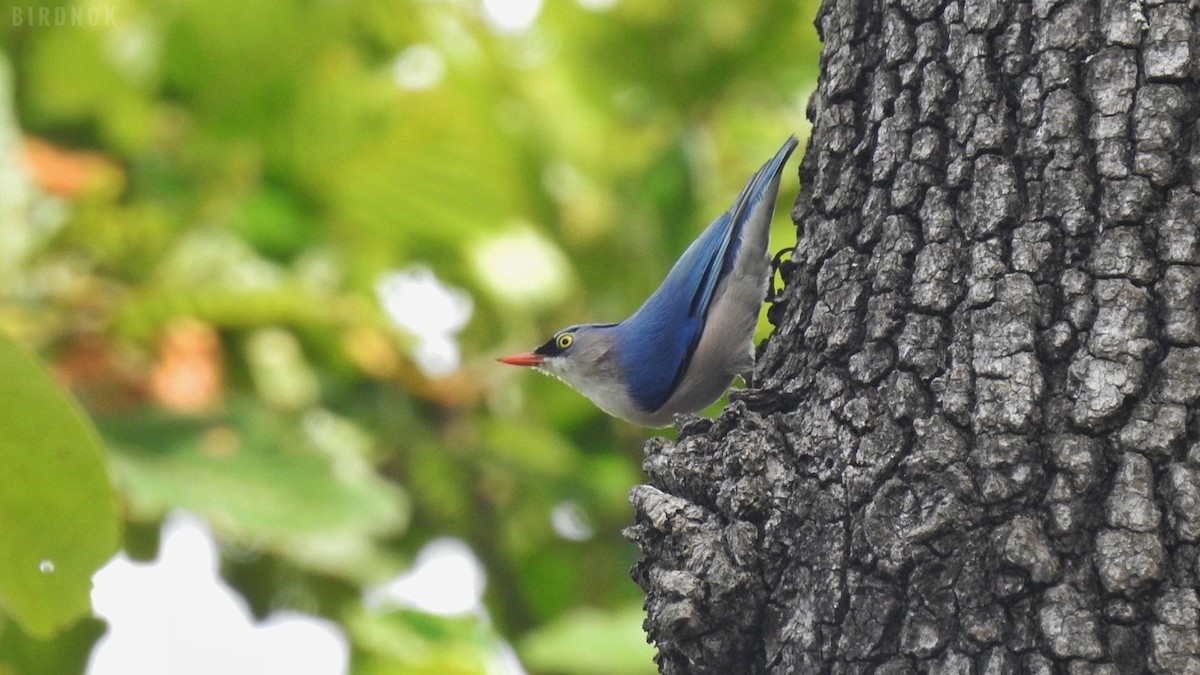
x,y
549,348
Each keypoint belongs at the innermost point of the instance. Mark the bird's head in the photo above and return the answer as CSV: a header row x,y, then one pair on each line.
x,y
583,356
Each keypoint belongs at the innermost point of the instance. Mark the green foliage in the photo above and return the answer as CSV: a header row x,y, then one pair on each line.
x,y
204,194
404,641
65,652
258,480
590,642
58,521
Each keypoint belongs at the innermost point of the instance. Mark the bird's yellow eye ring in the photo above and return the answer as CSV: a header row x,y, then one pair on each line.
x,y
563,341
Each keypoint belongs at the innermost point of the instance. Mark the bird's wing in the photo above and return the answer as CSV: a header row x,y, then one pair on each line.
x,y
721,252
662,335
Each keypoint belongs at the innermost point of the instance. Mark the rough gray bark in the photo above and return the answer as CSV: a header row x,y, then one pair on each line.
x,y
976,446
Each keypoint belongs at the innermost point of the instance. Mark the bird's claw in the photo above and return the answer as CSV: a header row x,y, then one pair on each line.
x,y
783,268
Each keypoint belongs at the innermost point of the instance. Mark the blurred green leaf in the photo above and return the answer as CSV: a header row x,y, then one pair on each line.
x,y
414,643
66,652
275,224
536,450
102,102
57,511
254,477
591,642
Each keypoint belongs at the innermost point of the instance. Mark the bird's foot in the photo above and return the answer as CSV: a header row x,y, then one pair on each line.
x,y
784,269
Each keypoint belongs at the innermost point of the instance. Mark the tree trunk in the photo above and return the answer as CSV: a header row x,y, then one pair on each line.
x,y
975,445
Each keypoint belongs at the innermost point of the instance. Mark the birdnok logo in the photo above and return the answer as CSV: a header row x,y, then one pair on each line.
x,y
105,15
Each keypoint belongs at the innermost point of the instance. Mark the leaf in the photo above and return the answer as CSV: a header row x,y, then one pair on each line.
x,y
255,478
66,652
589,641
412,642
58,521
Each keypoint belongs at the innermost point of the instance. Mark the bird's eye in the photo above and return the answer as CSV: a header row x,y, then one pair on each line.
x,y
563,341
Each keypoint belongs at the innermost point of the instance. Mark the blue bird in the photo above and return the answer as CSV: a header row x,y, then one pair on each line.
x,y
682,348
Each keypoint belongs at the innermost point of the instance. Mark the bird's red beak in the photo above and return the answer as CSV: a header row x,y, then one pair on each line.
x,y
526,359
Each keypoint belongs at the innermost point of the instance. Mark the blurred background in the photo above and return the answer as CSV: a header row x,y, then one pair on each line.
x,y
261,257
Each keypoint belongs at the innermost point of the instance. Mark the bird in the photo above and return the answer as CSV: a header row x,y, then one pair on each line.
x,y
681,349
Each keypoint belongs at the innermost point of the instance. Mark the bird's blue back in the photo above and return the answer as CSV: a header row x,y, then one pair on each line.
x,y
662,334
